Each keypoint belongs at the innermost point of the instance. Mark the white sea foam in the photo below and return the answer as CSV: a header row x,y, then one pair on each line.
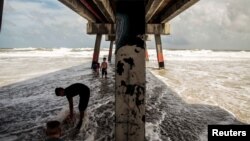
x,y
207,77
201,55
176,110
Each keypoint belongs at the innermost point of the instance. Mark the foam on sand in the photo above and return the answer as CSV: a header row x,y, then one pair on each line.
x,y
28,104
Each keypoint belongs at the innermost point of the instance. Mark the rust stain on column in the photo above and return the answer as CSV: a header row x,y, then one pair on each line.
x,y
146,54
97,49
159,51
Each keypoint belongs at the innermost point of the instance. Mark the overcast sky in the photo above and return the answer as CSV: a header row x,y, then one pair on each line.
x,y
209,24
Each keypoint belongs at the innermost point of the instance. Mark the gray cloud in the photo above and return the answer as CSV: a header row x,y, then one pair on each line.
x,y
238,16
32,23
213,24
209,24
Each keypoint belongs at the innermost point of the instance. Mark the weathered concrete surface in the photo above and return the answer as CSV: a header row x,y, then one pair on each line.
x,y
76,6
110,37
157,11
146,53
97,28
130,71
106,9
163,28
97,48
154,7
107,28
175,9
110,51
159,51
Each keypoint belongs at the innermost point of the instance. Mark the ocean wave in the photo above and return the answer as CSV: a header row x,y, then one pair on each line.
x,y
45,49
24,49
188,55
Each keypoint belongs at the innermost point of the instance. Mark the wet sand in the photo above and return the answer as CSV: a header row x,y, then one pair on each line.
x,y
29,104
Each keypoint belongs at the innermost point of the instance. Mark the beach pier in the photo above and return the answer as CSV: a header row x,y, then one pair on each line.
x,y
100,29
157,30
119,18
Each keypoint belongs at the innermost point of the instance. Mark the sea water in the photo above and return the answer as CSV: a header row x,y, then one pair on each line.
x,y
209,77
195,89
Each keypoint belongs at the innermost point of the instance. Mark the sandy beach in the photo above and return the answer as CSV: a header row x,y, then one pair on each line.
x,y
168,116
29,103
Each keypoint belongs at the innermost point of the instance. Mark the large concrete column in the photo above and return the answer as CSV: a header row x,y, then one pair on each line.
x,y
130,71
97,48
159,51
110,51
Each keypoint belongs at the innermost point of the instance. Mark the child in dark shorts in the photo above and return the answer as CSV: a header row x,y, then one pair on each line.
x,y
104,67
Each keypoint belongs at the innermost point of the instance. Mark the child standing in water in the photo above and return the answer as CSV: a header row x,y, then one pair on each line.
x,y
104,67
96,67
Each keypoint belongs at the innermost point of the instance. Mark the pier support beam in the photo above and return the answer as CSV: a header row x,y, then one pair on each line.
x,y
110,51
130,71
1,13
80,9
146,52
97,49
159,51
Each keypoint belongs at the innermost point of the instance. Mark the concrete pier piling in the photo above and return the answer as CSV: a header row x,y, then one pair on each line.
x,y
130,71
110,51
97,48
126,22
159,51
1,13
146,52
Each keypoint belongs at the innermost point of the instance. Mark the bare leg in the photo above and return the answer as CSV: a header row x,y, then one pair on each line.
x,y
80,120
